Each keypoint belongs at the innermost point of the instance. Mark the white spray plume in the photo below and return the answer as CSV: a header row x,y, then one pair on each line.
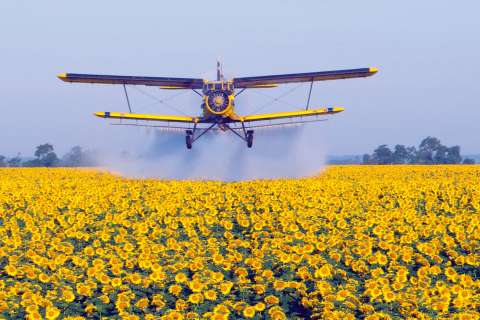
x,y
276,153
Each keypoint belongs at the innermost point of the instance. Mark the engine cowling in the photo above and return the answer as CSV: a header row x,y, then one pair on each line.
x,y
218,102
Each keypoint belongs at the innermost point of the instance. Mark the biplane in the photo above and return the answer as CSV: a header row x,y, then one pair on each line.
x,y
218,100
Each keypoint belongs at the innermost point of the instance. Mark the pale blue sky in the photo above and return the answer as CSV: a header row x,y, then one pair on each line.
x,y
427,53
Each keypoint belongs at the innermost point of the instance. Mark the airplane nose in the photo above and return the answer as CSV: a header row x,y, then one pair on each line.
x,y
218,100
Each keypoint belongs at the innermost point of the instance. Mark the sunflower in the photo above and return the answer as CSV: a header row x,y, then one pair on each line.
x,y
195,298
174,315
210,295
324,272
218,276
219,316
181,277
44,278
226,287
68,295
105,299
260,306
157,300
271,300
11,270
116,282
221,308
217,258
142,303
279,285
34,316
388,296
196,286
249,312
175,289
342,295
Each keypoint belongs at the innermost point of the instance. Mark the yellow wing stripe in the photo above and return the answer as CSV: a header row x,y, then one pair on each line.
x,y
292,114
273,85
149,117
171,87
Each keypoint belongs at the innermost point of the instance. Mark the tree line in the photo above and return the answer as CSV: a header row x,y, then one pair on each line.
x,y
45,156
430,151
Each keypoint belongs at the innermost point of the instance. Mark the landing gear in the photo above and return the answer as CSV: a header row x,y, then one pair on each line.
x,y
249,138
189,139
192,135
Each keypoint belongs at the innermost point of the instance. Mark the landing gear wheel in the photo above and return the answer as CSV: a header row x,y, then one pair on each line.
x,y
249,138
189,139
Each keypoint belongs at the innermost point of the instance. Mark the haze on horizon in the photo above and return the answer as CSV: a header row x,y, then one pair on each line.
x,y
427,54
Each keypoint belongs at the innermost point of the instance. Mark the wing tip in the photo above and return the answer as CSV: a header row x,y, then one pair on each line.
x,y
62,76
101,114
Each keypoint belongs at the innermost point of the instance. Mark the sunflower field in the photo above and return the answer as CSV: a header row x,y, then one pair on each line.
x,y
355,242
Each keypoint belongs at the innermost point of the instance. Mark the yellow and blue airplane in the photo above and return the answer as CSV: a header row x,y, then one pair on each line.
x,y
218,106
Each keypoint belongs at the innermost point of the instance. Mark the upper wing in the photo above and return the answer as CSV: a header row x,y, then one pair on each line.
x,y
151,117
290,114
251,82
165,82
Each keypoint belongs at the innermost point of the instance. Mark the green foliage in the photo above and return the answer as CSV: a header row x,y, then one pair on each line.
x,y
430,151
468,161
3,162
46,157
77,157
15,161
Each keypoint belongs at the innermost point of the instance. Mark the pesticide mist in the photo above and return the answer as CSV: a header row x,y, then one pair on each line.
x,y
276,153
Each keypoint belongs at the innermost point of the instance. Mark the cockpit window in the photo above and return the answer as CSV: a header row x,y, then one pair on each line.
x,y
220,86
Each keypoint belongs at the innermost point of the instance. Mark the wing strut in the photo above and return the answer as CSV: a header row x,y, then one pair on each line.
x,y
239,92
197,92
309,95
128,100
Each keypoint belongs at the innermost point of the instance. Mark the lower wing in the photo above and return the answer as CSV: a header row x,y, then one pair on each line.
x,y
148,117
290,114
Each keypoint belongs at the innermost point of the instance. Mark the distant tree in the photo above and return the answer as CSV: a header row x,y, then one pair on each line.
x,y
3,162
45,156
382,155
412,155
43,150
73,158
440,156
366,159
453,155
32,163
400,154
468,161
430,151
427,149
77,157
15,161
50,159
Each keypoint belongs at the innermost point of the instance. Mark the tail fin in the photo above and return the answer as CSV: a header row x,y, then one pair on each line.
x,y
219,71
